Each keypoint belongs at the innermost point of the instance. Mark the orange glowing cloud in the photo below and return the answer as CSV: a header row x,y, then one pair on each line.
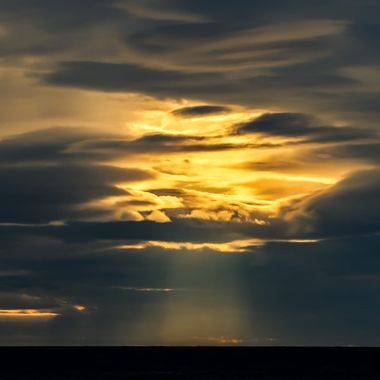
x,y
234,246
27,313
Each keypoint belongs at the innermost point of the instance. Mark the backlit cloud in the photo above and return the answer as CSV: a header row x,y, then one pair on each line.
x,y
189,172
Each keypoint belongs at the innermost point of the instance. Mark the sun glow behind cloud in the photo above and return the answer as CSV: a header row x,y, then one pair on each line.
x,y
200,168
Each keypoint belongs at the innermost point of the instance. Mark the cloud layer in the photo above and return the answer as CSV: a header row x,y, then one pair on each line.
x,y
187,172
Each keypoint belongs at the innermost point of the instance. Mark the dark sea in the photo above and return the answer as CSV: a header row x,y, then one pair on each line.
x,y
188,363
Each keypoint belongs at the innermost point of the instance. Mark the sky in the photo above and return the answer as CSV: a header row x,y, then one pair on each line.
x,y
187,172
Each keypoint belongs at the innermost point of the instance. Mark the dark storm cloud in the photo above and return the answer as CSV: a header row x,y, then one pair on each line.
x,y
42,27
78,145
157,143
134,78
216,47
280,56
285,124
43,194
148,144
118,146
295,125
198,111
243,12
69,12
9,300
41,183
42,146
332,92
208,53
202,48
249,11
166,10
349,208
367,152
176,231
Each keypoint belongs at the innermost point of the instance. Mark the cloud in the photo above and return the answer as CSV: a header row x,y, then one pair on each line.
x,y
155,143
368,152
45,194
158,216
40,183
59,175
296,125
132,78
176,231
198,111
253,12
349,208
283,88
46,145
293,58
20,301
286,124
82,145
213,47
66,207
166,10
334,212
42,28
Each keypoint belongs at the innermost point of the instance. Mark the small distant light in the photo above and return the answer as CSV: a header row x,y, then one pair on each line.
x,y
80,308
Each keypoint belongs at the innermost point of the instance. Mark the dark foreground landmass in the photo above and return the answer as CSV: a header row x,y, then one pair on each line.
x,y
190,363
